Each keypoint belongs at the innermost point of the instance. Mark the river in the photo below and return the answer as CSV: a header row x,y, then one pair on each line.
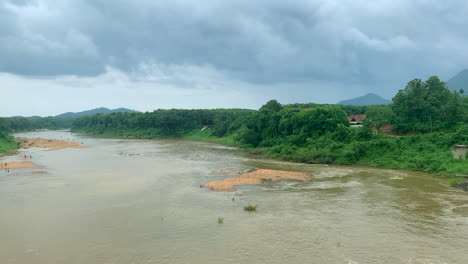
x,y
140,201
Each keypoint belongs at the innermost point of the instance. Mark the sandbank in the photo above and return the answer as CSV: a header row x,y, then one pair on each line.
x,y
17,165
49,144
255,177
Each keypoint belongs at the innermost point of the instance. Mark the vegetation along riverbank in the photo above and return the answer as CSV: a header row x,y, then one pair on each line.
x,y
426,120
416,131
7,144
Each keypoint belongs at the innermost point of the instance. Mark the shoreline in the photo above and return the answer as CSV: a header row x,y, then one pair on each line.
x,y
26,143
259,152
189,137
256,152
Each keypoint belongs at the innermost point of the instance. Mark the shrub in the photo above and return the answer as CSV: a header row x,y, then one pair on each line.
x,y
461,136
455,181
250,207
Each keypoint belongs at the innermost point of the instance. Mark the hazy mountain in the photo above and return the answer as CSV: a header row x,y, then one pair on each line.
x,y
368,99
101,110
459,81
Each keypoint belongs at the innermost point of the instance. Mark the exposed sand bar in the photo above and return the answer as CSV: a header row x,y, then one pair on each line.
x,y
49,144
255,177
17,165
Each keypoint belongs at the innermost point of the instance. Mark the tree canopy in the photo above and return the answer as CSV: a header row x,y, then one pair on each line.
x,y
427,105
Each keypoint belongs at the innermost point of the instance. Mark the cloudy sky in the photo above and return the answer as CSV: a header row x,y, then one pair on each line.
x,y
59,56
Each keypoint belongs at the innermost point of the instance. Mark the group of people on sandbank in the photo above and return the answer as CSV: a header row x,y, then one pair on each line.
x,y
26,157
18,164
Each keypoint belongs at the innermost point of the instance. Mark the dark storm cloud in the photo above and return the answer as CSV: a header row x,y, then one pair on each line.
x,y
359,42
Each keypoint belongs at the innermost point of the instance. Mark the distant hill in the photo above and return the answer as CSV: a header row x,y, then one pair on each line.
x,y
368,99
101,110
459,81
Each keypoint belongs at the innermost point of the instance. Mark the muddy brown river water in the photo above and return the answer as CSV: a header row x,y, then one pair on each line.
x,y
140,201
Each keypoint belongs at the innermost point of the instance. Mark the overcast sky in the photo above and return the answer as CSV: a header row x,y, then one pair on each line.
x,y
59,56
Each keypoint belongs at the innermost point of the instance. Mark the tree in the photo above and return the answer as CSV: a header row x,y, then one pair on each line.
x,y
424,106
378,115
272,105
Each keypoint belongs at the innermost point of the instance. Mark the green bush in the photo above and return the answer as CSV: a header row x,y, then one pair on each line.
x,y
455,181
250,207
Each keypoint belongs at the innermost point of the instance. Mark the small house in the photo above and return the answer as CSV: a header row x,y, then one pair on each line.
x,y
459,151
356,119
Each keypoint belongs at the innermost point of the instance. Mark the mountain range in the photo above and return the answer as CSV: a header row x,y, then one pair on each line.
x,y
100,110
367,99
459,81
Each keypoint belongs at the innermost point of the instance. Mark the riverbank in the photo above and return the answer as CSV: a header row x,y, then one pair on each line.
x,y
429,153
206,135
253,177
8,145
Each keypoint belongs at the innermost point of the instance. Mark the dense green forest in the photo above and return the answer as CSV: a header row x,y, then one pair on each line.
x,y
164,123
62,121
315,133
19,124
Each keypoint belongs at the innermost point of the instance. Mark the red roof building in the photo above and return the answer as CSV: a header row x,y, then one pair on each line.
x,y
356,119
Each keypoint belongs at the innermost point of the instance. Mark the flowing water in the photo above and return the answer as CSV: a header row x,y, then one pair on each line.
x,y
140,201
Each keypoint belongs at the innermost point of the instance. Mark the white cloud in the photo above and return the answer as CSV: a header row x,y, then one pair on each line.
x,y
156,85
391,44
135,51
